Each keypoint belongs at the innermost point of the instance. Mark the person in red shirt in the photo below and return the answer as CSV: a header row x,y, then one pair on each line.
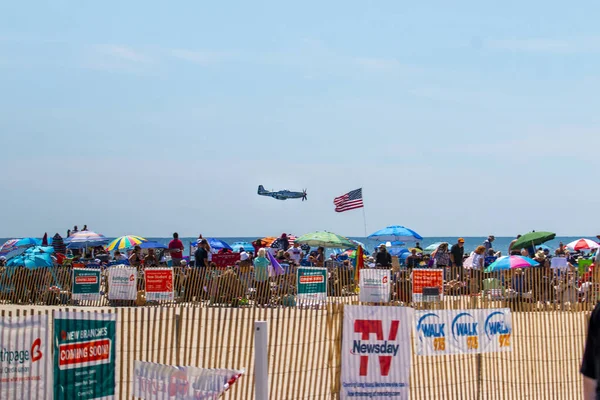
x,y
176,248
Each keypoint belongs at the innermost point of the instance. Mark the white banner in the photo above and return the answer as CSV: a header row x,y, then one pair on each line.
x,y
376,352
122,283
440,332
24,358
374,285
160,381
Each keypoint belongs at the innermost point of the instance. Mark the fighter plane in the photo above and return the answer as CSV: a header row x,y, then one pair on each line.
x,y
282,194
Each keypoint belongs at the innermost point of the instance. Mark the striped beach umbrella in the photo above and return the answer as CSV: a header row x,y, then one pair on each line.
x,y
84,239
125,242
510,262
583,244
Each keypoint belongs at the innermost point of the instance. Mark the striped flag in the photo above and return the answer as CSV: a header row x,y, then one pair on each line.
x,y
349,201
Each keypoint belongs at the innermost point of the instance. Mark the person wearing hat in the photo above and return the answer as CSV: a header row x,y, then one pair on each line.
x,y
383,259
457,252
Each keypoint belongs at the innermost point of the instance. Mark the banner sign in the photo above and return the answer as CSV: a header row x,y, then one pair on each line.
x,y
159,284
374,285
376,352
427,278
225,260
159,381
122,283
439,332
86,284
312,285
24,357
84,355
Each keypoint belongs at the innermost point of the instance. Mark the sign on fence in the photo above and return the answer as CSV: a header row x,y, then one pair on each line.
x,y
122,283
439,332
159,284
24,357
86,284
160,381
376,352
427,278
374,285
312,285
84,355
225,260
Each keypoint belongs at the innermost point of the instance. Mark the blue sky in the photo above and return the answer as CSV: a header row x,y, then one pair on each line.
x,y
146,118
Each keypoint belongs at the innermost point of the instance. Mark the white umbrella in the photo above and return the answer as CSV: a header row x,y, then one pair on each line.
x,y
583,244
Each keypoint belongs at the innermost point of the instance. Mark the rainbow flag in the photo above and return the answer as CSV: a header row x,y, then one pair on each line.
x,y
359,264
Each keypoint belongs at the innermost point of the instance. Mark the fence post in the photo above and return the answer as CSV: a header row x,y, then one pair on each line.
x,y
261,361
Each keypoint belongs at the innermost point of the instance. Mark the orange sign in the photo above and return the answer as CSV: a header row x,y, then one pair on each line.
x,y
427,278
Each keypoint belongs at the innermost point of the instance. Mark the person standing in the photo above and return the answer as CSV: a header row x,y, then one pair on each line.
x,y
261,277
383,259
457,252
201,255
442,257
295,253
512,252
176,249
488,243
478,265
285,243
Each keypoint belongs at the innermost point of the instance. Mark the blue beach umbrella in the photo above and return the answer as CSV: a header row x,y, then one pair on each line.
x,y
31,260
396,233
239,246
152,245
398,251
28,241
218,244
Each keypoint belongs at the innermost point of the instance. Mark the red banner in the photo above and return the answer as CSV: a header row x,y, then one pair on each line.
x,y
225,260
425,278
159,283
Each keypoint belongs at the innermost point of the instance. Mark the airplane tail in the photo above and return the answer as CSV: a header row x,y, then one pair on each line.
x,y
261,189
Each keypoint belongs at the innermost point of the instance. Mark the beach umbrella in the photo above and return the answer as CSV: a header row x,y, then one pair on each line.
x,y
392,244
29,241
218,244
125,242
267,241
8,246
396,233
31,261
242,246
85,239
40,250
583,244
152,245
509,262
59,244
325,239
532,239
432,247
398,251
45,239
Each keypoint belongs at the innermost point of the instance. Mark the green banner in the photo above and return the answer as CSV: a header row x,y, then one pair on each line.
x,y
312,285
86,284
84,355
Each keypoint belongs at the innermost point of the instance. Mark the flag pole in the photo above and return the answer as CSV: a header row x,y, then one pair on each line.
x,y
364,215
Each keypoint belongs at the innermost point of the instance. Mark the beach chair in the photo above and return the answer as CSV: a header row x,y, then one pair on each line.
x,y
493,289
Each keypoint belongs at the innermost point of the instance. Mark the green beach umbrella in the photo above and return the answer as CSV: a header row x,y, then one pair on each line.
x,y
532,239
325,239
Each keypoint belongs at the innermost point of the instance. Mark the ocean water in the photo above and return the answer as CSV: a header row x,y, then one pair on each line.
x,y
500,244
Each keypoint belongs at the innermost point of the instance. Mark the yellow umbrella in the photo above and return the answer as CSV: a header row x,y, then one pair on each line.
x,y
125,242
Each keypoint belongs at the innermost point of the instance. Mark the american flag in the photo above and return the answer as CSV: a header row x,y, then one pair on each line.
x,y
349,201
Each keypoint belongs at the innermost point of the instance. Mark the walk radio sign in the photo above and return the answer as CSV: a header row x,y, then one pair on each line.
x,y
24,357
376,352
86,284
312,285
84,355
439,332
